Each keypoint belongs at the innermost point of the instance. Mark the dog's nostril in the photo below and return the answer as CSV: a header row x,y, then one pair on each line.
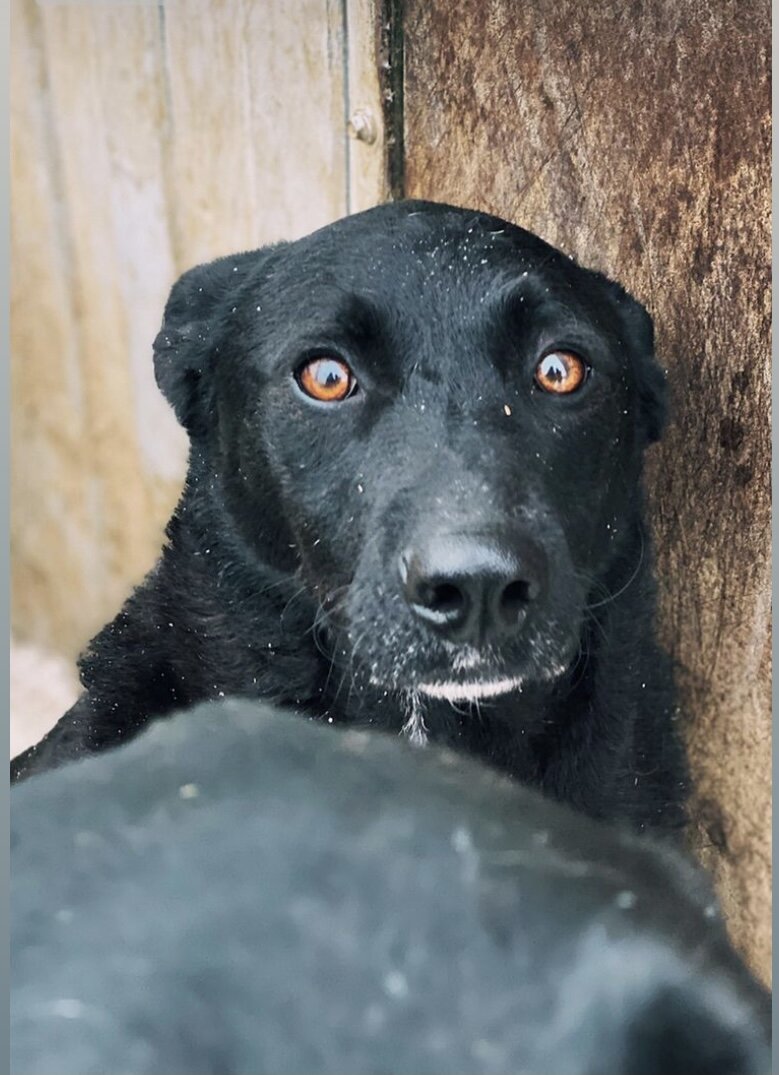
x,y
445,598
515,598
441,603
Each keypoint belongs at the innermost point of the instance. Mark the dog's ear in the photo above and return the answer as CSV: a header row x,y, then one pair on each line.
x,y
638,336
197,316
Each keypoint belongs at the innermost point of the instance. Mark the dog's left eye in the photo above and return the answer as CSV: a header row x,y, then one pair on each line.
x,y
326,379
561,372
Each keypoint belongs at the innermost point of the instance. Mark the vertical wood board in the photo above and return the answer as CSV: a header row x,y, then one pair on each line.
x,y
147,139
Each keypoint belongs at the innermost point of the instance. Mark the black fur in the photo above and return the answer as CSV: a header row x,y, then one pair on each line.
x,y
238,893
279,578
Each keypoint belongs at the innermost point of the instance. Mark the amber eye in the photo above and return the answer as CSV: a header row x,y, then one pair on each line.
x,y
327,379
561,372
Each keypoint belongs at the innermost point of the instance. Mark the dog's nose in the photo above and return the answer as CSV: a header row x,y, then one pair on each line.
x,y
473,588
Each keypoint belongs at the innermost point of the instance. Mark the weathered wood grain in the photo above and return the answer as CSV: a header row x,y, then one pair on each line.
x,y
636,137
368,180
148,138
99,239
256,114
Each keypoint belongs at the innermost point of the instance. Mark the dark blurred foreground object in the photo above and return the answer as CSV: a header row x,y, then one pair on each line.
x,y
239,893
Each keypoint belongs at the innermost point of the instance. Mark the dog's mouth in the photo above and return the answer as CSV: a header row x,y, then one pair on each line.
x,y
466,682
470,690
463,675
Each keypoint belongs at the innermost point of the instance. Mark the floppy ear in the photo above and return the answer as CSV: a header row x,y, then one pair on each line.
x,y
638,335
194,322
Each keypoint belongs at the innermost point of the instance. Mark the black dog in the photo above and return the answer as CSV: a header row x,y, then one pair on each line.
x,y
236,892
413,500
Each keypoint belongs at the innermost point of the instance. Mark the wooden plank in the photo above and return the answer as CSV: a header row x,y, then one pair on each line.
x,y
367,164
99,63
49,485
637,139
256,123
145,141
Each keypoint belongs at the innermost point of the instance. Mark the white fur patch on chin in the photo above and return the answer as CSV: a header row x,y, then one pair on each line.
x,y
415,728
470,692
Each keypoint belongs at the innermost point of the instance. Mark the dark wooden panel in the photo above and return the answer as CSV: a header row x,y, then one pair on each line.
x,y
636,137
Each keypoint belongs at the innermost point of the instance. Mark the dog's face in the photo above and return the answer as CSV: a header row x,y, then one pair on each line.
x,y
437,420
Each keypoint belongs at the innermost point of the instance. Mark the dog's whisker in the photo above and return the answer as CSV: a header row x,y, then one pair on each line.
x,y
285,581
320,624
296,595
613,597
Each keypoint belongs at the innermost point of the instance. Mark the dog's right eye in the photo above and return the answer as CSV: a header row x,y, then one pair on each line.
x,y
326,379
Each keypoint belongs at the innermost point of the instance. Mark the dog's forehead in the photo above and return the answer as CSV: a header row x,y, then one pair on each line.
x,y
442,264
387,244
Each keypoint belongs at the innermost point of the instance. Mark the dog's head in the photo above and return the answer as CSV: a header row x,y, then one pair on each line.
x,y
437,420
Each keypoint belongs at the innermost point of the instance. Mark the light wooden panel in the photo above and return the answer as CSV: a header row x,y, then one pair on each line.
x,y
145,139
367,164
637,138
257,146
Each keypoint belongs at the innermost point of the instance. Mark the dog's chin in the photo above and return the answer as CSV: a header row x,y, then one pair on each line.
x,y
470,690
